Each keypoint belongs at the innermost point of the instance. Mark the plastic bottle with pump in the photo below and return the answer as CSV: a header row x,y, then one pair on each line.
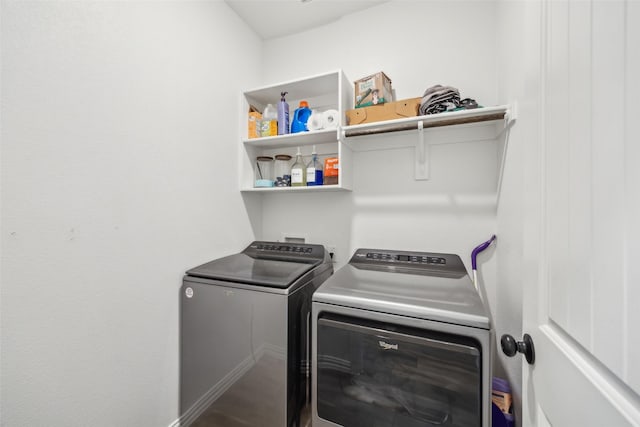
x,y
298,172
300,118
314,170
283,115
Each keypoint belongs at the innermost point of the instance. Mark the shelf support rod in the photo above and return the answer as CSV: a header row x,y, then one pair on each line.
x,y
510,117
422,155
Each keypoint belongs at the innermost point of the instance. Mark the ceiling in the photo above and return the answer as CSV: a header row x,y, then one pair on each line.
x,y
275,18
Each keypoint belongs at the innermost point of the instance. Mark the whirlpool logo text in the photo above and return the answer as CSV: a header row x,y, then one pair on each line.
x,y
387,346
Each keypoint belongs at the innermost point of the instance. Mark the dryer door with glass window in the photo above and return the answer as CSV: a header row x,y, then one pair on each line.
x,y
372,374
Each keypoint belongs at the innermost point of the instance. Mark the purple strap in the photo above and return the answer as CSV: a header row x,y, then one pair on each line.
x,y
481,247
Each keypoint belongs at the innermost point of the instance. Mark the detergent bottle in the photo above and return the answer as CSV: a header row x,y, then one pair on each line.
x,y
283,115
300,118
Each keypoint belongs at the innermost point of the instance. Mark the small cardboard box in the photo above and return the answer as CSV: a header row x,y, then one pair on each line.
x,y
331,170
254,117
372,90
387,111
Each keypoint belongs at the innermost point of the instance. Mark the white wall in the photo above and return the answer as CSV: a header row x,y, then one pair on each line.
x,y
518,50
418,44
118,122
118,162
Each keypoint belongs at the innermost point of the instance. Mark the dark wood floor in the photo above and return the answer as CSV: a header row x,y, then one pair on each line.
x,y
238,407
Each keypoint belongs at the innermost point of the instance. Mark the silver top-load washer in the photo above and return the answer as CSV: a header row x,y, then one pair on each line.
x,y
402,339
245,335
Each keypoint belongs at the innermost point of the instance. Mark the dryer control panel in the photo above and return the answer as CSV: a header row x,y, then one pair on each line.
x,y
384,256
408,261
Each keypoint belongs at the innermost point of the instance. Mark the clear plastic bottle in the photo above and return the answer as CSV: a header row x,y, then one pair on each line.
x,y
269,121
314,170
298,171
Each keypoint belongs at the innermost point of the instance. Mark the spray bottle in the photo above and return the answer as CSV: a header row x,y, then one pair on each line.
x,y
298,172
283,115
314,170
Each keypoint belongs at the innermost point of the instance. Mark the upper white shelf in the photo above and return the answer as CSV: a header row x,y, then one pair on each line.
x,y
312,87
459,126
494,117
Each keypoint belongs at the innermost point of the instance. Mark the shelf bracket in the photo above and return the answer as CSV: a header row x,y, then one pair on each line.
x,y
422,155
510,118
511,115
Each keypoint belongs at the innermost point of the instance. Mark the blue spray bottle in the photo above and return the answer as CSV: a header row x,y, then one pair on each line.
x,y
314,170
283,115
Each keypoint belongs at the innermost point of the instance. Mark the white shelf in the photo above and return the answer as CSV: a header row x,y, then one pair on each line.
x,y
315,188
326,91
332,90
421,132
294,139
319,86
455,120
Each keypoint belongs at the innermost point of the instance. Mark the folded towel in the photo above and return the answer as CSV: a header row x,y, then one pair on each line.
x,y
438,98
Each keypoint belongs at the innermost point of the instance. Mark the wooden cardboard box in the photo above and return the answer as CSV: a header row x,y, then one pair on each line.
x,y
372,90
387,111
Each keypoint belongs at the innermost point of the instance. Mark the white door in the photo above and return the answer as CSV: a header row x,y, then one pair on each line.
x,y
582,222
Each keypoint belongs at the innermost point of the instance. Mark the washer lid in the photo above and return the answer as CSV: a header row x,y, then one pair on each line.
x,y
398,289
242,268
270,264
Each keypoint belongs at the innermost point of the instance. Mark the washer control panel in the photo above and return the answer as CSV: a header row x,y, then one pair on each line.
x,y
283,250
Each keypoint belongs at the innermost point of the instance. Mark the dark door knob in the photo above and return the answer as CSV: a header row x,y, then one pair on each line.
x,y
510,347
